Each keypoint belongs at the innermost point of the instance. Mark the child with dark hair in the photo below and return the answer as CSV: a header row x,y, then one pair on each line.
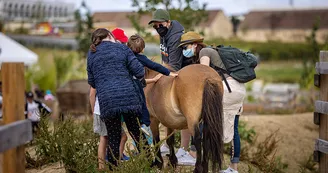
x,y
137,45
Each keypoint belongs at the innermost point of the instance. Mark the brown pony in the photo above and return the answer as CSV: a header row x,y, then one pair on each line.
x,y
190,100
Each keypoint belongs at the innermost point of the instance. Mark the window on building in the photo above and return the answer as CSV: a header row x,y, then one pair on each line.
x,y
27,11
50,11
44,11
65,13
55,12
9,10
16,14
60,12
22,10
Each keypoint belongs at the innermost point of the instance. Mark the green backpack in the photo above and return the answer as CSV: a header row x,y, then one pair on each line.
x,y
239,65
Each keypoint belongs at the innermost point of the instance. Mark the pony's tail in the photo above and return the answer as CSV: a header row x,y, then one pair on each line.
x,y
212,115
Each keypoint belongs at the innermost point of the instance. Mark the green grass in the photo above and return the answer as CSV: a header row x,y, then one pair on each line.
x,y
268,71
279,71
55,67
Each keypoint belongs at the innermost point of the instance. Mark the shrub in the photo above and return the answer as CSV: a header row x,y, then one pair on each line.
x,y
261,154
272,50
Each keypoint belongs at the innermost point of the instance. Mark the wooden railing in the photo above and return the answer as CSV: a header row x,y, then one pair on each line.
x,y
321,113
16,131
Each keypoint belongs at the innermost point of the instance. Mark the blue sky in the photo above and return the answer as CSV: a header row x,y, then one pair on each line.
x,y
229,6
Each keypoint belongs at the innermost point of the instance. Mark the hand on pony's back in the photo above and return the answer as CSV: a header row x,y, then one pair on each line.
x,y
172,74
157,77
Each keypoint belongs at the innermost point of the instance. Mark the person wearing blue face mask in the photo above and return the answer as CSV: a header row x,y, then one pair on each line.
x,y
191,44
170,32
196,52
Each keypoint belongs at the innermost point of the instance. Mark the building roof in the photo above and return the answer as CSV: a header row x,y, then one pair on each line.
x,y
121,18
285,19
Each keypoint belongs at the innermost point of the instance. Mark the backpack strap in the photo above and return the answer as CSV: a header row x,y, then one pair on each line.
x,y
221,73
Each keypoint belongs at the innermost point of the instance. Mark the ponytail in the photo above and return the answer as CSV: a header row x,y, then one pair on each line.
x,y
97,36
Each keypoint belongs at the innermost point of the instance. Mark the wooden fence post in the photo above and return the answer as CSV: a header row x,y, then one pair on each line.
x,y
321,113
13,88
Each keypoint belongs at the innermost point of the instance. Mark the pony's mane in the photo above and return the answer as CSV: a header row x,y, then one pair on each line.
x,y
163,64
168,67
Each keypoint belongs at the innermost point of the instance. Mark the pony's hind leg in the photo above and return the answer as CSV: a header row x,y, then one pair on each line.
x,y
170,142
154,126
199,167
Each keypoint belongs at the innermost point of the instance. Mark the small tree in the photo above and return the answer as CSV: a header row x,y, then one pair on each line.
x,y
235,23
309,62
188,12
84,25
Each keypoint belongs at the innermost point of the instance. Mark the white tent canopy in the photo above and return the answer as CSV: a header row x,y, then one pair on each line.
x,y
12,51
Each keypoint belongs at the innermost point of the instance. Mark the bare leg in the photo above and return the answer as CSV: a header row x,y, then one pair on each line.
x,y
122,143
234,166
185,139
102,151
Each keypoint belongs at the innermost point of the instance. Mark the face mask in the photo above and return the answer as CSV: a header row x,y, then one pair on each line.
x,y
188,52
162,31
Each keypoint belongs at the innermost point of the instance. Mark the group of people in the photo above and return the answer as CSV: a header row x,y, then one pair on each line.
x,y
115,69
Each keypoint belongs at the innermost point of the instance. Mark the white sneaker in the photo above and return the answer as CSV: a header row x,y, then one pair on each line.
x,y
180,153
229,170
146,130
164,149
186,159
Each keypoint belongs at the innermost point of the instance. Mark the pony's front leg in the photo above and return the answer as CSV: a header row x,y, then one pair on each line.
x,y
156,139
170,142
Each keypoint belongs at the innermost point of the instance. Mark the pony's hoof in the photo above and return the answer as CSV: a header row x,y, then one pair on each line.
x,y
198,170
173,161
157,164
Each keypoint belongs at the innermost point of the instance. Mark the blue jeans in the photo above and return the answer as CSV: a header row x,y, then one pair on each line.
x,y
235,149
144,117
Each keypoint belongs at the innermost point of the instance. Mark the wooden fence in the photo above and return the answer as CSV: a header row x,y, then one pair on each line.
x,y
321,113
16,131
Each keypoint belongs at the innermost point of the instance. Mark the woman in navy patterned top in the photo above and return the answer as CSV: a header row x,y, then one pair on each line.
x,y
111,68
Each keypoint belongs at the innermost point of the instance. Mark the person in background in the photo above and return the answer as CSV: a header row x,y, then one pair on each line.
x,y
120,35
170,32
34,110
198,53
49,96
39,93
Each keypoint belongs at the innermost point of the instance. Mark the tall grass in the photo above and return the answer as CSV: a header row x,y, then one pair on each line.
x,y
55,67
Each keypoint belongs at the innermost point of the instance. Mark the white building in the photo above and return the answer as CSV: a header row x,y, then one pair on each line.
x,y
30,10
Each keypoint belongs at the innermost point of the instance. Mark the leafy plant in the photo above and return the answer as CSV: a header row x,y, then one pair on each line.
x,y
188,12
84,25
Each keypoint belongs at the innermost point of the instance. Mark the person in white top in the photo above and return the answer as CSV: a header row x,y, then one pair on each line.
x,y
34,110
